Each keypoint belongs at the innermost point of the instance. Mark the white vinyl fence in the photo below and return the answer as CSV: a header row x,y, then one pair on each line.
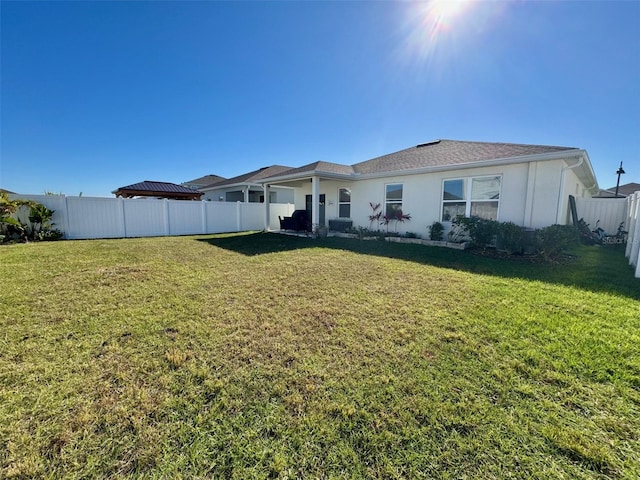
x,y
633,226
94,217
610,212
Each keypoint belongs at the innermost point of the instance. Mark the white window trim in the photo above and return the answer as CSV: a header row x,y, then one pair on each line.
x,y
397,202
344,203
468,185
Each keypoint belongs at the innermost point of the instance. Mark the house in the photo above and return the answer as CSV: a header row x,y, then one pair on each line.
x,y
247,188
526,184
157,190
623,191
205,181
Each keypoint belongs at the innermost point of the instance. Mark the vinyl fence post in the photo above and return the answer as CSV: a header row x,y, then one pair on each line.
x,y
238,216
203,211
66,217
635,236
167,229
122,217
632,206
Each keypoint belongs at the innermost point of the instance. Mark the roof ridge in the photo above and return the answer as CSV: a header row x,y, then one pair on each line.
x,y
508,143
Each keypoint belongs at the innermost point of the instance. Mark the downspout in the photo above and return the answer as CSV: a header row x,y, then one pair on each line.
x,y
561,191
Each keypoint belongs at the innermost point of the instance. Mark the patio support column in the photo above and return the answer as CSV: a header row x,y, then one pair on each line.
x,y
315,202
246,194
267,209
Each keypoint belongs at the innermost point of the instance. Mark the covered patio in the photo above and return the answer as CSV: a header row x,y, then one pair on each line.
x,y
307,182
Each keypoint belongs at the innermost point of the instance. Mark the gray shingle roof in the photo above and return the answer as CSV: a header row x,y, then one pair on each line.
x,y
326,167
623,190
449,152
204,181
254,176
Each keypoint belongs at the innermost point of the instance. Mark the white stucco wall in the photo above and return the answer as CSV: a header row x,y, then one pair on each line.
x,y
529,195
544,190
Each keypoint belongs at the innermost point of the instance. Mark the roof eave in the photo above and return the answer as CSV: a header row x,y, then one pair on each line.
x,y
564,154
309,174
588,176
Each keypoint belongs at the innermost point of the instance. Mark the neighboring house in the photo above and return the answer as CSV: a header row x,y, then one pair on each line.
x,y
247,188
525,184
201,182
157,190
623,191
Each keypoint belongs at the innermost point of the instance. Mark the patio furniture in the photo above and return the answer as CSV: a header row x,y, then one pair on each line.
x,y
298,221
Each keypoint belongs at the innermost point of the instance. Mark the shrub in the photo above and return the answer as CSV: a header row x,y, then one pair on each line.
x,y
482,232
436,231
511,238
7,209
551,241
26,220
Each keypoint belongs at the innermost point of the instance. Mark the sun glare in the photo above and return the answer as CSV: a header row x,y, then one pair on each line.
x,y
443,11
435,27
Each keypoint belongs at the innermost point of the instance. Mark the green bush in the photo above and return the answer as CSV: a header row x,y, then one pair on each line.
x,y
15,227
511,238
436,231
551,241
482,232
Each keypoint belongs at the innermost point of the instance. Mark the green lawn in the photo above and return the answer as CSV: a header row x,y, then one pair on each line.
x,y
256,356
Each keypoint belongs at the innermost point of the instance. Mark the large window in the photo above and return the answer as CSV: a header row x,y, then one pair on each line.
x,y
393,199
344,202
478,197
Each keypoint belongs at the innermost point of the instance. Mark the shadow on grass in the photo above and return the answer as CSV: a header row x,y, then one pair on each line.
x,y
598,269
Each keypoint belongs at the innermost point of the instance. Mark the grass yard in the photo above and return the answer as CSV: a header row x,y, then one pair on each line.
x,y
262,356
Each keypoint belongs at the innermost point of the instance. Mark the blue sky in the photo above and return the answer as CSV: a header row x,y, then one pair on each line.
x,y
98,95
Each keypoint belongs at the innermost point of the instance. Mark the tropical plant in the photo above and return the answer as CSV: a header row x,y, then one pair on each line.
x,y
396,216
40,216
13,225
7,209
376,214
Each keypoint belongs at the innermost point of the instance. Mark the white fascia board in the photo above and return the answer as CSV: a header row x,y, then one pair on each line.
x,y
261,185
575,153
306,175
590,176
228,186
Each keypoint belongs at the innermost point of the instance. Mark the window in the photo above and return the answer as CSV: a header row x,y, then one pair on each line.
x,y
393,199
344,202
453,199
477,197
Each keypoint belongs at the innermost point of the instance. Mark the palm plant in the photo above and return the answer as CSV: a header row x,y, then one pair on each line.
x,y
7,209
